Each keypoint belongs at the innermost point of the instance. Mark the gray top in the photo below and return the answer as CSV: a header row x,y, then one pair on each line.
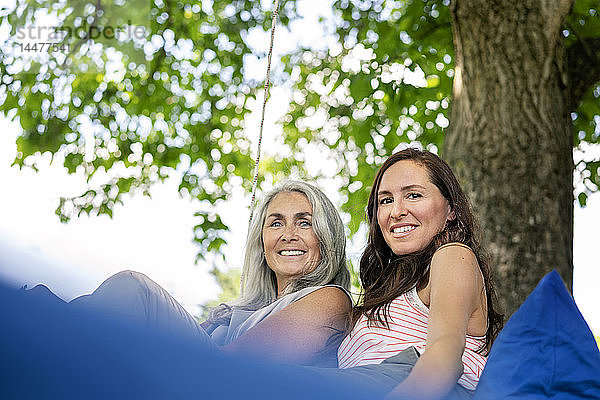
x,y
243,320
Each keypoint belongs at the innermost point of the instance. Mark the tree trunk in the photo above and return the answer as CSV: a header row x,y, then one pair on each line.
x,y
510,140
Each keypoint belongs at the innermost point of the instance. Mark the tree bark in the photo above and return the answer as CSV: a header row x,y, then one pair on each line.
x,y
510,139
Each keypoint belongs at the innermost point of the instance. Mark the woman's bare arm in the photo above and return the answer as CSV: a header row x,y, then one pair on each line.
x,y
299,332
455,294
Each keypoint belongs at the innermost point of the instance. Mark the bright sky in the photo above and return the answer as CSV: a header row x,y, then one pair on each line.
x,y
154,236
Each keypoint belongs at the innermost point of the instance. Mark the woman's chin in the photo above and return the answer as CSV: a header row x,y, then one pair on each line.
x,y
406,250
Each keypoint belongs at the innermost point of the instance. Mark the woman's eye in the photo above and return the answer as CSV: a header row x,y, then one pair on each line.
x,y
385,200
275,224
305,224
414,195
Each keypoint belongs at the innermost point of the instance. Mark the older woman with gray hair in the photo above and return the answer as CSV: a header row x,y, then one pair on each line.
x,y
294,292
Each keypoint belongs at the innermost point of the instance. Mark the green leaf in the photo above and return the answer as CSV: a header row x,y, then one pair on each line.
x,y
582,198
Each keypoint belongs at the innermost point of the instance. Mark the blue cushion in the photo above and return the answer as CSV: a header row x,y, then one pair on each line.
x,y
545,351
49,350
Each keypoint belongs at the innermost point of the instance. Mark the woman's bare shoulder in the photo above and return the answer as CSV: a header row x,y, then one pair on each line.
x,y
455,245
455,252
326,298
318,308
456,261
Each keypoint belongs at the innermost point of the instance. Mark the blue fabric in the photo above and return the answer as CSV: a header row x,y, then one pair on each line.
x,y
545,351
51,351
47,351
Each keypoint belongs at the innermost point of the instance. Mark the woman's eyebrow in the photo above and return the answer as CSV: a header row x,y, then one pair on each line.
x,y
302,215
403,189
413,186
275,215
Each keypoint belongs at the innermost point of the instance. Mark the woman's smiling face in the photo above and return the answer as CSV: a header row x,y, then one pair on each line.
x,y
410,208
290,243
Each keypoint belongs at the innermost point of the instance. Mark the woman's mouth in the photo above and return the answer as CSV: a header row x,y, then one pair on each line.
x,y
403,230
291,252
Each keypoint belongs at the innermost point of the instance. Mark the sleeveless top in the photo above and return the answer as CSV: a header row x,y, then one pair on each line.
x,y
371,343
243,320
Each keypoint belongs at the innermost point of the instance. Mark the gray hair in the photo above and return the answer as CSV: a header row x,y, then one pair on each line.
x,y
259,285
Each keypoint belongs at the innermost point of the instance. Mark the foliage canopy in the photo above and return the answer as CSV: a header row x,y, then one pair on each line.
x,y
131,112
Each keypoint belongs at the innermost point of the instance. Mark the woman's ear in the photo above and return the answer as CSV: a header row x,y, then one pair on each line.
x,y
451,214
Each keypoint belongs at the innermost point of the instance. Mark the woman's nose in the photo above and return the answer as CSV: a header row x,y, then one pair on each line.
x,y
398,209
289,233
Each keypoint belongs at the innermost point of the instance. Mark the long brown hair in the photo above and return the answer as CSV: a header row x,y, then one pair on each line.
x,y
385,275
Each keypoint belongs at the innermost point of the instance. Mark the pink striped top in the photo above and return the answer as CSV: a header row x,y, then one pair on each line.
x,y
408,316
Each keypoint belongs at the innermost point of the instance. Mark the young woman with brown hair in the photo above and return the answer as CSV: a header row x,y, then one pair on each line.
x,y
429,300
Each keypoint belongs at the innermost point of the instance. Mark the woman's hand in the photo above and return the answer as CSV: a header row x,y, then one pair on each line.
x,y
456,304
298,333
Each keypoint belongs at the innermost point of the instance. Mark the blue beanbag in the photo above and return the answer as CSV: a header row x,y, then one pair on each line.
x,y
51,351
545,351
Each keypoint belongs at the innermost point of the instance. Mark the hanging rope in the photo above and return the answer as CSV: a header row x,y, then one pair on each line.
x,y
262,118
